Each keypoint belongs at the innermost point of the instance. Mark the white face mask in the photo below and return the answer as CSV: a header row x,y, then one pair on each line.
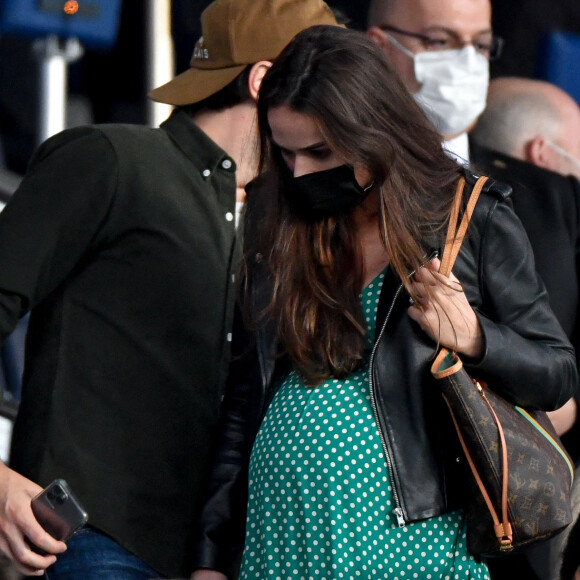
x,y
575,162
454,85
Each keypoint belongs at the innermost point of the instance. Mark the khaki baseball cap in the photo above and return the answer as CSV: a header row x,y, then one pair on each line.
x,y
237,33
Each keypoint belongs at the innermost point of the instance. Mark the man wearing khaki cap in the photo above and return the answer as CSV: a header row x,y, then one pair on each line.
x,y
121,242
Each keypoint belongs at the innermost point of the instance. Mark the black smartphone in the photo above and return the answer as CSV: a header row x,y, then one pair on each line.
x,y
58,511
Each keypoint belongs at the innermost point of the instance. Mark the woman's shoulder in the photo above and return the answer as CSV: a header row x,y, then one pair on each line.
x,y
496,190
494,201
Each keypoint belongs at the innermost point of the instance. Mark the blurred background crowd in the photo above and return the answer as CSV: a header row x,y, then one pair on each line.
x,y
109,84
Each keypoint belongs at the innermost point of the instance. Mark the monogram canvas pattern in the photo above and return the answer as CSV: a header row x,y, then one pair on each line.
x,y
536,503
540,473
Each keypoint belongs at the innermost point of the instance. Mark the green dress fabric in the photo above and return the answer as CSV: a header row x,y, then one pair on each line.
x,y
320,500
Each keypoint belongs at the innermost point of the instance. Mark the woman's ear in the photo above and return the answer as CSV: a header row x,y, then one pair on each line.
x,y
256,76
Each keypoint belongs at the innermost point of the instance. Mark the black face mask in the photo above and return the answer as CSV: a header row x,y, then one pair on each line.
x,y
324,193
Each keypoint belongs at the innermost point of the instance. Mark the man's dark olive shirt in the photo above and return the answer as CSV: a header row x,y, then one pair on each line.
x,y
121,240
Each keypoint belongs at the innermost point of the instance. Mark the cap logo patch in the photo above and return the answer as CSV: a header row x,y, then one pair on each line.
x,y
200,52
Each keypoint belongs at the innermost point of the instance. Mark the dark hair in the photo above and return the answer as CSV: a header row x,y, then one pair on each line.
x,y
342,80
232,94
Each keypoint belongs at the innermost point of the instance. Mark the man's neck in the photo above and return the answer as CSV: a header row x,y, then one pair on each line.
x,y
235,131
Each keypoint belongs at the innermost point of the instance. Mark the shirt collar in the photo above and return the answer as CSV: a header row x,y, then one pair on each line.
x,y
458,148
197,146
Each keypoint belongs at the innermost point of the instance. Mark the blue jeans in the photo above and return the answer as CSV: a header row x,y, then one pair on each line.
x,y
94,556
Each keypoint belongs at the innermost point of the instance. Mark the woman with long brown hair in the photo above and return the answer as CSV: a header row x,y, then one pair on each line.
x,y
334,433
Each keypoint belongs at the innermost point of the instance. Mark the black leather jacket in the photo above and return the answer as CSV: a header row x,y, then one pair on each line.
x,y
527,358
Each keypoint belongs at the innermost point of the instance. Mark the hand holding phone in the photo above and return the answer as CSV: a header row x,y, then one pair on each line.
x,y
58,511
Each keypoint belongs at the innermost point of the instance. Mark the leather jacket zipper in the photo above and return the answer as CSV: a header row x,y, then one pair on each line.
x,y
398,511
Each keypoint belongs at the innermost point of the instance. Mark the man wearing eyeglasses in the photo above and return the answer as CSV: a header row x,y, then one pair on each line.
x,y
441,49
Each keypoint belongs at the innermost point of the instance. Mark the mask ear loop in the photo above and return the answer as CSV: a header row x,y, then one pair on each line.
x,y
368,187
398,45
564,153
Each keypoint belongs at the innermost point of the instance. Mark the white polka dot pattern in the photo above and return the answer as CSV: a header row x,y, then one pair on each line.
x,y
320,500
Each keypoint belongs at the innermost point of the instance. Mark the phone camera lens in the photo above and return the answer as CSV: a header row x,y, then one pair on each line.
x,y
57,495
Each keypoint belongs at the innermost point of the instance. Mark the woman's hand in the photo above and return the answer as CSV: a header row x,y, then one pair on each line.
x,y
18,526
443,312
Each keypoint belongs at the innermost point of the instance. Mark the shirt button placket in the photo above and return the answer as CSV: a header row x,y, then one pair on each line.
x,y
227,164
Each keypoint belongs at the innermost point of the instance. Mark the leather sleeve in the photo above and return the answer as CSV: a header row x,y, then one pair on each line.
x,y
221,528
528,358
220,541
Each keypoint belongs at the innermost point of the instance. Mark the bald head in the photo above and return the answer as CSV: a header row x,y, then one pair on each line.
x,y
525,118
459,16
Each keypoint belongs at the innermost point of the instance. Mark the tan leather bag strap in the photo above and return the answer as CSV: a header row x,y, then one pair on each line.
x,y
503,530
454,237
453,241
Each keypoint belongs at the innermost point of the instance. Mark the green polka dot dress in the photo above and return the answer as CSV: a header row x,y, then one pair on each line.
x,y
320,500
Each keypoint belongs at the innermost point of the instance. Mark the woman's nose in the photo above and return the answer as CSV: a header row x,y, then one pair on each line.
x,y
302,166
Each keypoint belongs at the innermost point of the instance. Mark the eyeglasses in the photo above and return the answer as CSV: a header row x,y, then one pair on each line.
x,y
491,48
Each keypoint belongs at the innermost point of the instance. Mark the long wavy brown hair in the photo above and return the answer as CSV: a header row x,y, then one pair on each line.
x,y
341,79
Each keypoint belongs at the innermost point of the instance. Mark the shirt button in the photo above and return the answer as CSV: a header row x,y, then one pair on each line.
x,y
206,172
226,163
229,337
229,216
